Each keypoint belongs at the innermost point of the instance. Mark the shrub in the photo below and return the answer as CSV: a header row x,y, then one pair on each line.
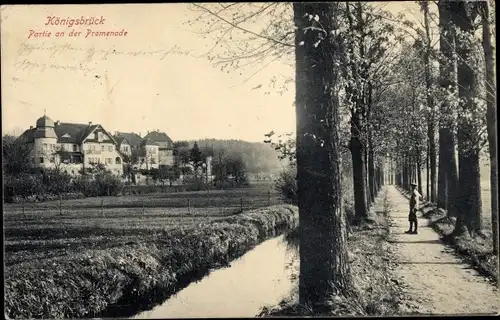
x,y
56,182
102,184
194,183
286,184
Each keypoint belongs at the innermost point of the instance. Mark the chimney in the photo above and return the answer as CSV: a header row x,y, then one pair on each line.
x,y
58,122
31,127
90,123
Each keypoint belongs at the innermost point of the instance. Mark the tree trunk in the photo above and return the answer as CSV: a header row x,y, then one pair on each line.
x,y
428,174
491,121
468,151
447,82
442,189
359,181
470,189
419,177
404,176
324,268
367,178
430,104
371,172
452,174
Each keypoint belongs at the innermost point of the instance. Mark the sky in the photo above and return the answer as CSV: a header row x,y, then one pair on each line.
x,y
152,78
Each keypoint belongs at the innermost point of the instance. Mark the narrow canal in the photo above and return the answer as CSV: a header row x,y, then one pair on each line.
x,y
262,277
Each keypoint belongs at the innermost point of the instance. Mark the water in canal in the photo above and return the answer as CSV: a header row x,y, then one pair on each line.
x,y
262,277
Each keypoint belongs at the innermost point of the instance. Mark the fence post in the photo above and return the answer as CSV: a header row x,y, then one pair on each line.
x,y
143,207
102,206
60,205
269,197
241,204
189,206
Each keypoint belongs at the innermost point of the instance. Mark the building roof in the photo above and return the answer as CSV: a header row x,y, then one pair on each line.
x,y
157,136
120,140
132,138
148,142
73,132
44,122
66,132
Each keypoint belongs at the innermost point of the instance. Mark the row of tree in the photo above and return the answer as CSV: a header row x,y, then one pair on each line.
x,y
365,81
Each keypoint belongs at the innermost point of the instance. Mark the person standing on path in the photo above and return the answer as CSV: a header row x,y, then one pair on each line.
x,y
412,218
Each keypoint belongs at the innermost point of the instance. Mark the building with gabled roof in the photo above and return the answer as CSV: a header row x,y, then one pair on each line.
x,y
71,147
165,147
153,150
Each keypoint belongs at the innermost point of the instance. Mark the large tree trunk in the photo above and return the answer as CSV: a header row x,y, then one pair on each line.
x,y
419,175
470,187
447,73
427,174
359,180
450,158
491,122
407,172
442,189
468,150
371,171
367,178
430,104
324,268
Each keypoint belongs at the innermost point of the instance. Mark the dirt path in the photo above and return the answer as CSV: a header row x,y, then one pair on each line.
x,y
438,281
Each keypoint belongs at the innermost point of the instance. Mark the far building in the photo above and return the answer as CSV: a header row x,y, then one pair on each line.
x,y
149,152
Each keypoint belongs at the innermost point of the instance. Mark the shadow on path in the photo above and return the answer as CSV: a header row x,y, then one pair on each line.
x,y
418,241
428,262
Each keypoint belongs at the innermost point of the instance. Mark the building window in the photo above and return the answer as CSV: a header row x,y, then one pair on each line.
x,y
110,148
52,159
108,160
44,146
125,149
41,159
118,160
153,161
75,147
96,135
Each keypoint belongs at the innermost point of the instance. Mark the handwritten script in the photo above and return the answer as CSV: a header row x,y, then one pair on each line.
x,y
29,56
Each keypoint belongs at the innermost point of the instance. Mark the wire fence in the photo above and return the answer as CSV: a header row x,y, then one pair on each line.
x,y
200,204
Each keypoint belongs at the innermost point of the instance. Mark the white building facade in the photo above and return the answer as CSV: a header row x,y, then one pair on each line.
x,y
71,147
